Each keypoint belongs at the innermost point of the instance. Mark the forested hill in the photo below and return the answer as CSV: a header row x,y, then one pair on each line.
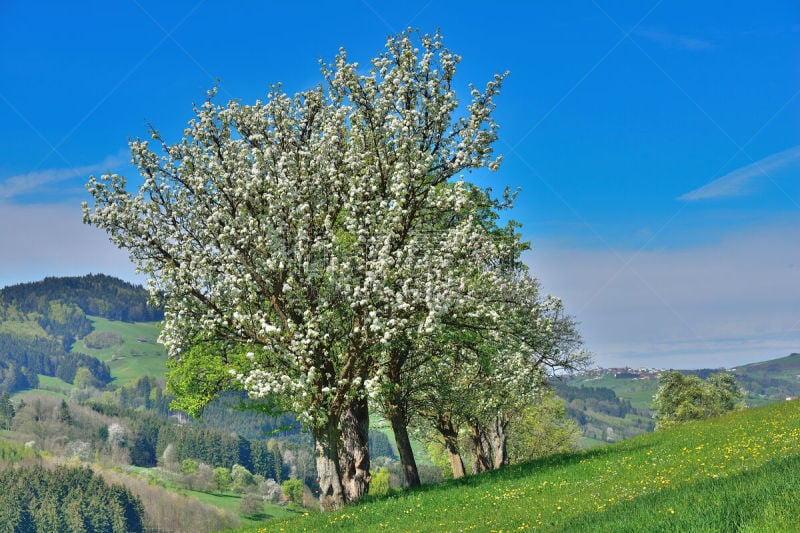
x,y
94,294
40,322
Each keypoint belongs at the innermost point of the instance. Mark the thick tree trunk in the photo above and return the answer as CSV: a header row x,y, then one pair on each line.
x,y
400,429
354,451
331,495
444,425
481,460
498,440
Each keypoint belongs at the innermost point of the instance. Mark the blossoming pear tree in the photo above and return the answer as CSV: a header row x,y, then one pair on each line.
x,y
476,372
299,235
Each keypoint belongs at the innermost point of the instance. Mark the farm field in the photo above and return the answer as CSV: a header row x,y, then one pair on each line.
x,y
639,392
734,473
138,355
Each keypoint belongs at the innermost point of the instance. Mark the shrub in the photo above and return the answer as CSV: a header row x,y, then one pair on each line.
x,y
251,504
222,478
379,486
99,340
242,478
293,490
188,466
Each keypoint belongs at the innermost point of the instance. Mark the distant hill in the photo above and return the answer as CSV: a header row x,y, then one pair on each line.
x,y
41,321
613,404
775,379
94,294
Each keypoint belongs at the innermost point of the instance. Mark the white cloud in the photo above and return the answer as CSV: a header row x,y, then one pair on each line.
x,y
51,240
740,181
719,305
41,179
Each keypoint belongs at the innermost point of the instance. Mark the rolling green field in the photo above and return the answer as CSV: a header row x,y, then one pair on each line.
x,y
227,501
230,502
639,392
785,367
734,473
138,355
56,385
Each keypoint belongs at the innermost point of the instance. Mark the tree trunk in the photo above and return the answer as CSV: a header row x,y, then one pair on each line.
x,y
331,495
498,440
444,425
410,472
396,409
354,451
481,460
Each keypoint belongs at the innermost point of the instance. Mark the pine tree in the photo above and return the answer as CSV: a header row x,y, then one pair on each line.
x,y
6,411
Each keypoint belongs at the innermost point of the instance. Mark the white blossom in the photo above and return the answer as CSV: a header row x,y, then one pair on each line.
x,y
312,226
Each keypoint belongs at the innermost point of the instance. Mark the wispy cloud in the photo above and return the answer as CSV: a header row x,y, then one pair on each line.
x,y
39,180
740,181
674,40
718,304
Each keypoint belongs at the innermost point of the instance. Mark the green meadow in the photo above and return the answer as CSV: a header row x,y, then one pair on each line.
x,y
734,473
230,502
138,355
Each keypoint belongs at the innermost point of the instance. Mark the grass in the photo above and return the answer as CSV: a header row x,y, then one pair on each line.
x,y
226,501
56,385
138,355
28,395
639,392
734,473
230,502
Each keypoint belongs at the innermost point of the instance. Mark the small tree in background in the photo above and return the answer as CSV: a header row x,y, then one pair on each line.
x,y
188,466
293,490
222,478
251,504
687,397
379,485
541,429
7,411
242,478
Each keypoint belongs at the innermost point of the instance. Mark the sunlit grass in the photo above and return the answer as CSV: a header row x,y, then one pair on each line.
x,y
230,502
138,355
735,473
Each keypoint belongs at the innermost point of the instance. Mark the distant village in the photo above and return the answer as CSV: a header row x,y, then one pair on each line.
x,y
623,372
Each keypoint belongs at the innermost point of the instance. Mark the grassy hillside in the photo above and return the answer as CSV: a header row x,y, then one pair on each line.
x,y
735,473
137,355
639,392
771,380
785,367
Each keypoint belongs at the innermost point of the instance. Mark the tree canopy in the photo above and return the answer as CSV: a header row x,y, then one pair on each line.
x,y
687,397
297,241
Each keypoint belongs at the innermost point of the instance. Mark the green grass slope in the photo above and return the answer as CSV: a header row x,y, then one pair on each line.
x,y
735,473
785,367
639,392
771,380
138,355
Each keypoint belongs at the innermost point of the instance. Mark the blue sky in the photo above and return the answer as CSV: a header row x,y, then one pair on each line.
x,y
656,143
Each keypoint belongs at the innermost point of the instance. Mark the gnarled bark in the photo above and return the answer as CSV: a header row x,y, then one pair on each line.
x,y
331,495
354,450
